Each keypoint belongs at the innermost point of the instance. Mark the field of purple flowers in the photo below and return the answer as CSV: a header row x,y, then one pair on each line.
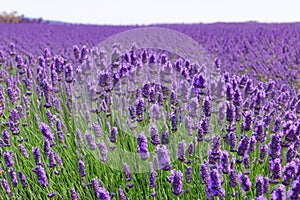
x,y
61,142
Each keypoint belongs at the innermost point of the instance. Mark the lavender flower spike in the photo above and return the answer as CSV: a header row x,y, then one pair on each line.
x,y
259,185
142,146
215,184
44,128
8,159
176,181
13,177
181,151
121,194
23,179
244,181
278,193
73,194
164,157
5,186
81,168
41,176
127,172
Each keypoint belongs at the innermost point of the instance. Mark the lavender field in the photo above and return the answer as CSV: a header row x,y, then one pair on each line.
x,y
81,122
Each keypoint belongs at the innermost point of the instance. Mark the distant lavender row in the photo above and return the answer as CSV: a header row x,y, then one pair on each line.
x,y
263,51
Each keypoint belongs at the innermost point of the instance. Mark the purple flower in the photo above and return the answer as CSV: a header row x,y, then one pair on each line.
x,y
193,107
121,194
232,141
232,178
36,155
206,106
263,152
113,134
151,95
5,186
243,146
200,135
173,98
155,111
41,176
252,144
275,147
246,162
266,185
102,194
58,159
51,194
6,137
278,193
277,124
76,51
50,117
90,139
191,149
291,135
8,159
164,157
290,154
2,101
244,181
214,152
81,168
259,186
97,130
259,131
73,194
237,101
22,179
181,151
248,88
154,137
294,192
188,174
176,181
215,184
247,123
199,81
289,172
95,184
204,174
142,146
188,125
83,53
140,108
224,162
174,121
204,124
127,172
103,151
164,137
275,168
152,177
238,113
44,128
230,113
229,92
13,177
51,159
46,146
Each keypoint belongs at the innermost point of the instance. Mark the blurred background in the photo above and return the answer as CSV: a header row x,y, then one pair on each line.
x,y
139,12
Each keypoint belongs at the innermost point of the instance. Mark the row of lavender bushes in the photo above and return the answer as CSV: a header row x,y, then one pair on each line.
x,y
47,145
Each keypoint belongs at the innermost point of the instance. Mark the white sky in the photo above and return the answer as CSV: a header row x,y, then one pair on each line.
x,y
156,11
